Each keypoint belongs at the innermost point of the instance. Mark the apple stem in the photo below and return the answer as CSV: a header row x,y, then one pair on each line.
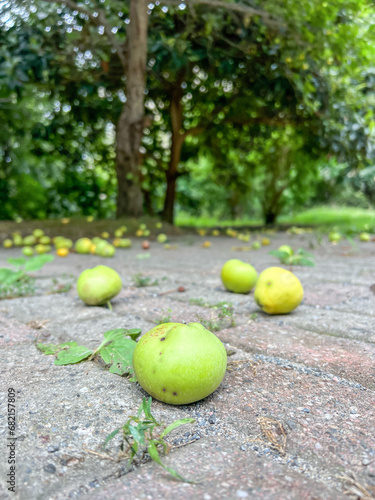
x,y
109,305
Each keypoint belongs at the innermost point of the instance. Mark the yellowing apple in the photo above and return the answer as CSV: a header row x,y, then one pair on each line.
x,y
83,245
238,276
98,285
179,364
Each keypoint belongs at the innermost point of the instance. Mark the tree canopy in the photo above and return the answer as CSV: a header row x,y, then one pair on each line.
x,y
261,97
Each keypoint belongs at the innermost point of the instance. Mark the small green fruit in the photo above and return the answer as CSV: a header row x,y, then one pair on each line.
x,y
364,237
38,233
238,276
256,245
286,249
98,285
105,234
125,243
17,240
334,236
7,243
29,240
83,245
108,251
142,227
179,364
118,233
162,238
45,240
40,249
159,225
28,251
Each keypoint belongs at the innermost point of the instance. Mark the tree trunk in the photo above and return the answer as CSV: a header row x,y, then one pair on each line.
x,y
176,146
270,218
130,125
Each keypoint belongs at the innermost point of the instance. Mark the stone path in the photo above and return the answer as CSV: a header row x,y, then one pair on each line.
x,y
309,374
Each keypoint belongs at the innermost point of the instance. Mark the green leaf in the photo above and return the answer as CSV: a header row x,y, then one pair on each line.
x,y
110,336
35,263
306,262
119,354
54,348
175,424
134,333
72,354
279,254
154,454
137,433
146,407
17,262
8,276
110,436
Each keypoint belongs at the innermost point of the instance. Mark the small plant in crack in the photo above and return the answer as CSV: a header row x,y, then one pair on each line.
x,y
139,280
143,437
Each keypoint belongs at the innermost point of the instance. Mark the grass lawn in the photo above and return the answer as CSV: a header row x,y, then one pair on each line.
x,y
345,218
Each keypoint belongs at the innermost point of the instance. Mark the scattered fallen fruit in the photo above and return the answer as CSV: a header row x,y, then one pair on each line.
x,y
179,364
278,291
364,237
238,276
145,245
98,285
38,233
286,249
256,245
265,241
7,243
206,244
62,252
83,245
334,237
162,238
105,234
28,251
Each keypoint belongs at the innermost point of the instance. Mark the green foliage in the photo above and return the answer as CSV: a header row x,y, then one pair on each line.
x,y
116,351
139,280
145,435
300,258
17,283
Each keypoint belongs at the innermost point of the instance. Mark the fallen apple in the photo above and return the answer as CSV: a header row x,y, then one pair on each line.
x,y
278,291
286,249
83,245
238,276
98,285
162,238
38,233
28,251
179,364
7,243
29,240
364,237
145,245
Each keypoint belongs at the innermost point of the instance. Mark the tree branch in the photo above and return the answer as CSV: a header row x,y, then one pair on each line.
x,y
99,20
234,7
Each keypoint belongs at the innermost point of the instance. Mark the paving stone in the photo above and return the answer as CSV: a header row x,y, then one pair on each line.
x,y
314,378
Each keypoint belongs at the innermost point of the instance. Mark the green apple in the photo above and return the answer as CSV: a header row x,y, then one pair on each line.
x,y
105,234
28,251
179,364
98,285
162,238
118,233
364,237
29,240
334,236
158,225
40,249
83,245
287,249
17,240
107,251
123,229
45,240
256,245
7,243
142,227
238,276
125,243
146,232
38,233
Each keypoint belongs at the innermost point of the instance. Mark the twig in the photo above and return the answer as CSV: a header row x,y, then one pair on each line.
x,y
100,454
355,488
